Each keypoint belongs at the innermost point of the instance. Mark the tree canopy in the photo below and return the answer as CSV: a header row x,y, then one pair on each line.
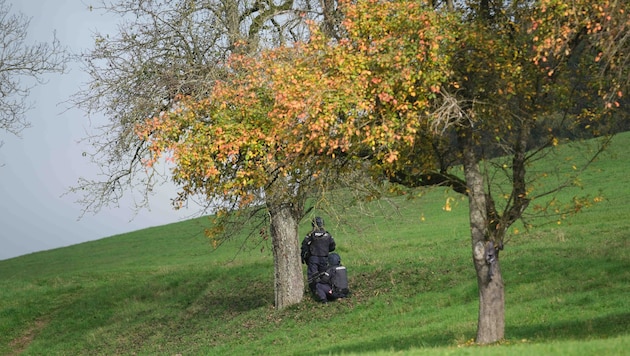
x,y
160,52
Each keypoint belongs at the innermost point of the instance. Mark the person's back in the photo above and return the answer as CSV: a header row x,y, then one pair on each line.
x,y
315,249
321,242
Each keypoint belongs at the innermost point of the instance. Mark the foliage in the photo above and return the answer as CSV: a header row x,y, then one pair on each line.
x,y
276,115
560,26
406,77
162,51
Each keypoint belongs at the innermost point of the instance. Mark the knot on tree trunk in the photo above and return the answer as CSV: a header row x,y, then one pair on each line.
x,y
491,255
487,253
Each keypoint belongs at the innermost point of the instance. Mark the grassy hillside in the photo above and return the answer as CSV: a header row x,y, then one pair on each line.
x,y
165,291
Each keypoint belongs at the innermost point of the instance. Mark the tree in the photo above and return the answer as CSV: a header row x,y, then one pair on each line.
x,y
231,147
163,53
418,89
506,78
19,61
498,92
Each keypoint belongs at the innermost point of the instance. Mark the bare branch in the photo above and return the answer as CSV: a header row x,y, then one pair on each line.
x,y
451,112
22,66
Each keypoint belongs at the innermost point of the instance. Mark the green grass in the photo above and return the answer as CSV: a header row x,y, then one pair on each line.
x,y
165,291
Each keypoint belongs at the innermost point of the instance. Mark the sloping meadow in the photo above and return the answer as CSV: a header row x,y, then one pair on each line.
x,y
164,290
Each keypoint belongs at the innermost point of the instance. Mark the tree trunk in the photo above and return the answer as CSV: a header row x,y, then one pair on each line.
x,y
288,279
491,319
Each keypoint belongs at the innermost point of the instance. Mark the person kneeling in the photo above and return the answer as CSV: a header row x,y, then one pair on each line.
x,y
331,284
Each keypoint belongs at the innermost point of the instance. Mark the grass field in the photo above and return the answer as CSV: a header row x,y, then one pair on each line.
x,y
164,291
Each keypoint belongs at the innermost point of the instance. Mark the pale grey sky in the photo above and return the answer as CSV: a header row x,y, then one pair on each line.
x,y
37,169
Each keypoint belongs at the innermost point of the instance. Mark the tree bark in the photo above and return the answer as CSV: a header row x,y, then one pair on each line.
x,y
288,279
491,318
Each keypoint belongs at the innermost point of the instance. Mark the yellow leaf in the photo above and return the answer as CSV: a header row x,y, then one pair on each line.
x,y
447,205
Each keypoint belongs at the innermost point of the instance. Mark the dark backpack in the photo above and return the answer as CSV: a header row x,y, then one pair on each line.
x,y
338,277
339,281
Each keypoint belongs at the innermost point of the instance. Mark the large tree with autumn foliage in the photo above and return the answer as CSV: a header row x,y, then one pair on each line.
x,y
227,160
410,91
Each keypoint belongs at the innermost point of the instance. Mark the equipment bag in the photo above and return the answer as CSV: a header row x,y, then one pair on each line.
x,y
339,282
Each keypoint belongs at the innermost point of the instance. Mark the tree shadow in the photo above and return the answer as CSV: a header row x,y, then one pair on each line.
x,y
233,291
389,344
599,327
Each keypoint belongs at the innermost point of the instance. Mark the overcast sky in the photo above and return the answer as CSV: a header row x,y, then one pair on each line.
x,y
38,168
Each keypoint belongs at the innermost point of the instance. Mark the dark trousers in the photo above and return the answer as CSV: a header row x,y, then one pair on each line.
x,y
323,292
316,264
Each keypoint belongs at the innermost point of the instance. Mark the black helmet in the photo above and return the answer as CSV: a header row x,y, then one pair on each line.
x,y
334,259
318,222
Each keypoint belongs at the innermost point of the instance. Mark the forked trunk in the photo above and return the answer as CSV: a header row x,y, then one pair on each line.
x,y
288,280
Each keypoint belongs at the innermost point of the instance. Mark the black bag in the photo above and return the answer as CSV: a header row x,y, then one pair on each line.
x,y
339,282
338,277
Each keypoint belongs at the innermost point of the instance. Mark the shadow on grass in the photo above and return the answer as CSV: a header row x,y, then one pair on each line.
x,y
223,293
389,344
600,327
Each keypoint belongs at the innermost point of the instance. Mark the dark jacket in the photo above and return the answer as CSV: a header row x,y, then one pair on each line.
x,y
318,243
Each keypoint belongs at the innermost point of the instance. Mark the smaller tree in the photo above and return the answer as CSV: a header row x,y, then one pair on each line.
x,y
19,61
